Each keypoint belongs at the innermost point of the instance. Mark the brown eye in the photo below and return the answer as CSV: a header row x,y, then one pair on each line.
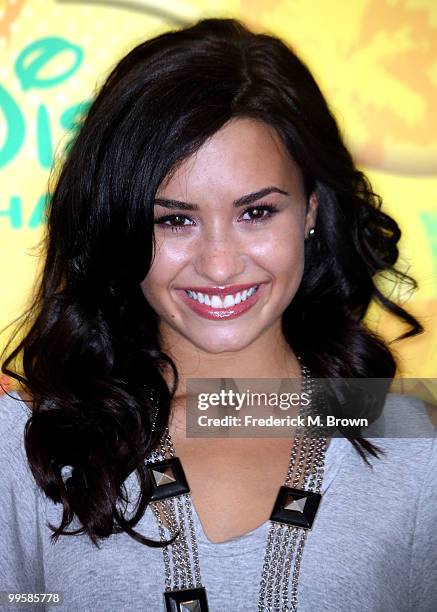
x,y
257,212
176,222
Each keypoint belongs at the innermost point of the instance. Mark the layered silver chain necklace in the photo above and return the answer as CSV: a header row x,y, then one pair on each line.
x,y
292,516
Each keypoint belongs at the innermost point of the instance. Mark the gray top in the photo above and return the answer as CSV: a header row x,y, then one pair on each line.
x,y
372,548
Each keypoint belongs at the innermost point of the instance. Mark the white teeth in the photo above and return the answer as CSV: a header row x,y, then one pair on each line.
x,y
216,302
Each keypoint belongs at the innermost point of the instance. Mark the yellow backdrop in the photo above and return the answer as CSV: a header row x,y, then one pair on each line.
x,y
375,60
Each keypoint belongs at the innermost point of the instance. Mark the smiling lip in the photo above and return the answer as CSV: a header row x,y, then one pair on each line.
x,y
222,291
231,312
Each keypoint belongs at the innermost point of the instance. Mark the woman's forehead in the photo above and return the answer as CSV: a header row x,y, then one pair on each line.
x,y
243,156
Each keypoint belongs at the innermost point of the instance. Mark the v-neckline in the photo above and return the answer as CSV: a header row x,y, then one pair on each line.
x,y
254,539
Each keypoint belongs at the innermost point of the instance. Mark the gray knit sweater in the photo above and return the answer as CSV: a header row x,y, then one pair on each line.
x,y
372,548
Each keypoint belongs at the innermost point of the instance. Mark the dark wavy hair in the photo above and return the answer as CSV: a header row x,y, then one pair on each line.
x,y
91,350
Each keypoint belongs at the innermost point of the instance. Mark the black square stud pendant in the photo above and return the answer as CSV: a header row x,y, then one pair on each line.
x,y
186,600
295,507
167,478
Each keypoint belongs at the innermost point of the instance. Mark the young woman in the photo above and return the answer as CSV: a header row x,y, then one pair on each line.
x,y
208,222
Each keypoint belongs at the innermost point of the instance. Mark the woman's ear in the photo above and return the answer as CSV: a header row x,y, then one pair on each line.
x,y
311,214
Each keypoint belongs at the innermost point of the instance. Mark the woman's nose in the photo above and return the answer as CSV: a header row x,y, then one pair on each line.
x,y
219,256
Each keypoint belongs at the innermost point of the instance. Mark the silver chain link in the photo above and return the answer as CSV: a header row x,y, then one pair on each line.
x,y
285,543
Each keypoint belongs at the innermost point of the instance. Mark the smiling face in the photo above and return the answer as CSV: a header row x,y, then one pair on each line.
x,y
232,216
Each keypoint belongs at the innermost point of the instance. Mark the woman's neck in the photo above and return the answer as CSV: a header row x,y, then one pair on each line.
x,y
269,357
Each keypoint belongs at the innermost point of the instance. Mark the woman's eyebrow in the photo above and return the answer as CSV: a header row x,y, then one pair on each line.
x,y
246,199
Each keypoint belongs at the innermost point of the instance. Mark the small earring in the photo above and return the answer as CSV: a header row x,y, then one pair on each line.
x,y
311,232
